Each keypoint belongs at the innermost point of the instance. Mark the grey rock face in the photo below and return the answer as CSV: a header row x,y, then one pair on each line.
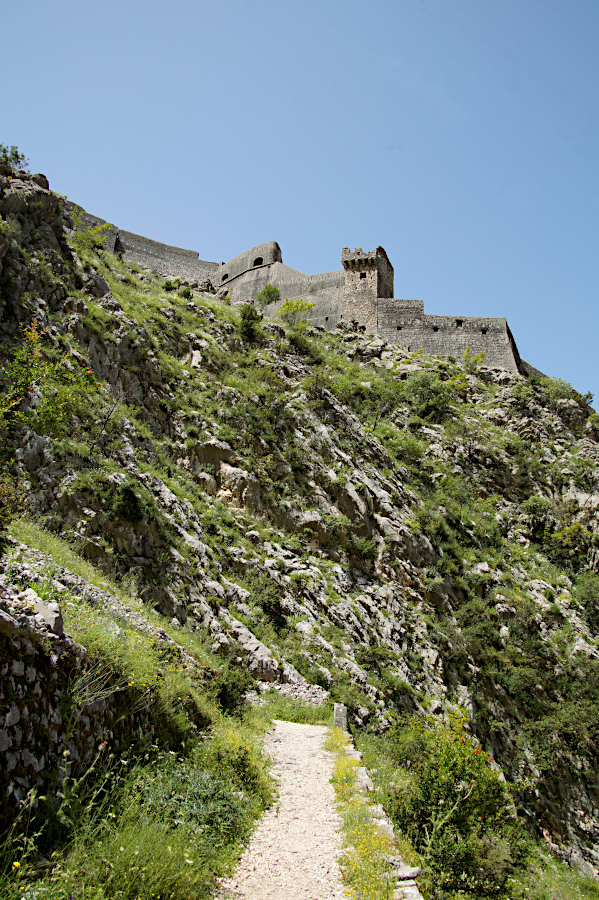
x,y
97,286
46,612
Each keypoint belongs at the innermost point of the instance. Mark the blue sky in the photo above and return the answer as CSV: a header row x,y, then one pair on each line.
x,y
462,135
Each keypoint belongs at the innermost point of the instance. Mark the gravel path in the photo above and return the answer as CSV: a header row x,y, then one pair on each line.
x,y
293,854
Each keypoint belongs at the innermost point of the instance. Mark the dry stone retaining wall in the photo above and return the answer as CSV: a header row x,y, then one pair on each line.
x,y
45,736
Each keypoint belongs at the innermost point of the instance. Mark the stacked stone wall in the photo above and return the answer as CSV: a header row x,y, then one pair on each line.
x,y
44,736
165,259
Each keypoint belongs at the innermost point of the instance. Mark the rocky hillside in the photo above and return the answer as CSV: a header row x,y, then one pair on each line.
x,y
327,513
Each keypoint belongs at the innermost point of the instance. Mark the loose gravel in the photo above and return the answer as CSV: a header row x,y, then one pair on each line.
x,y
294,852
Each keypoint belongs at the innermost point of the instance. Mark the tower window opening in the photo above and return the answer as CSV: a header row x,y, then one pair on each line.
x,y
259,261
362,274
459,323
224,278
399,327
435,327
484,330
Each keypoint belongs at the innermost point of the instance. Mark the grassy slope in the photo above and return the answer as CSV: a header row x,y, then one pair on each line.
x,y
468,481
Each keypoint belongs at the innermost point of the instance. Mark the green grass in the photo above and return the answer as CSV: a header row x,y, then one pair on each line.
x,y
277,706
166,828
34,535
161,822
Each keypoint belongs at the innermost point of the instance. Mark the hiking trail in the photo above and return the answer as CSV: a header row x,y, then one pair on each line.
x,y
294,852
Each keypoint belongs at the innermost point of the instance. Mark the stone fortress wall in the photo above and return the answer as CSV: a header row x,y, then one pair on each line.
x,y
174,262
360,295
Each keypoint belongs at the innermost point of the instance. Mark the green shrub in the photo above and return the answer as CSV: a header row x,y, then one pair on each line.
x,y
229,689
266,594
363,548
449,799
11,500
12,156
87,239
127,505
427,395
539,511
338,526
269,294
587,594
248,323
61,386
293,312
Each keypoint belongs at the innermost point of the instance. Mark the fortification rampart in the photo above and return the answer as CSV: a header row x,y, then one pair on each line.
x,y
361,293
162,258
447,335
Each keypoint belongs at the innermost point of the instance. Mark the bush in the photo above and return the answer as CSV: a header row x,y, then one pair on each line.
x,y
12,156
11,501
127,505
39,391
449,799
269,294
539,512
587,594
293,312
87,239
229,689
248,323
338,526
427,395
363,548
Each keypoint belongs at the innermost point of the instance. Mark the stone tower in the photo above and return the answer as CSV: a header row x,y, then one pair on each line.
x,y
367,275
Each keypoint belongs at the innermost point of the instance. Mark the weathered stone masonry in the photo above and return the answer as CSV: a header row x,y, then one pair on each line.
x,y
360,296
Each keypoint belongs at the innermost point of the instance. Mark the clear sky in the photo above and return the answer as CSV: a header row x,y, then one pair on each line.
x,y
462,135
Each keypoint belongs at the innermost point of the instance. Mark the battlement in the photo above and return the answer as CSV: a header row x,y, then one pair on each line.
x,y
367,274
358,258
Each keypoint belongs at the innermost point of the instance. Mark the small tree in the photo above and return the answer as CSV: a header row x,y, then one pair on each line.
x,y
12,156
473,361
293,312
268,294
248,323
88,239
58,387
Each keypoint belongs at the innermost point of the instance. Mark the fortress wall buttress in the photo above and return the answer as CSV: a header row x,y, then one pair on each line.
x,y
449,335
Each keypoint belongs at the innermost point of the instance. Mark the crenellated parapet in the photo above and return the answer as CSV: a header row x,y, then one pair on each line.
x,y
367,273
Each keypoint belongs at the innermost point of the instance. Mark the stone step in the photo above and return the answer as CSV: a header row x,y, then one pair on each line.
x,y
408,890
